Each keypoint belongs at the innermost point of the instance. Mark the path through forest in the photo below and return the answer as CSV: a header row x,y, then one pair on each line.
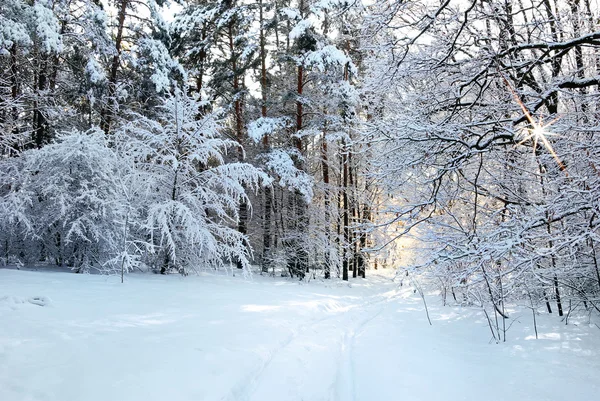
x,y
83,337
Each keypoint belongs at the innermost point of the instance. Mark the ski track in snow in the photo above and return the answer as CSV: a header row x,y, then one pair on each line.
x,y
243,391
346,374
345,371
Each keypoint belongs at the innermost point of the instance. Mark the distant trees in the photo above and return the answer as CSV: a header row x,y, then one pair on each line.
x,y
292,107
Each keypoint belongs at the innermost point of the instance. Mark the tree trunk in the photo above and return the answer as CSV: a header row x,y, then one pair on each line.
x,y
239,128
267,257
326,201
347,176
366,217
39,119
201,67
575,15
353,213
14,87
300,251
346,223
340,212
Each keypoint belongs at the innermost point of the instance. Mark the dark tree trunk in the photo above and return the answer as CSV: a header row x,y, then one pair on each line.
x,y
346,223
347,176
239,128
557,294
201,66
14,87
267,257
353,215
300,252
40,124
340,212
326,201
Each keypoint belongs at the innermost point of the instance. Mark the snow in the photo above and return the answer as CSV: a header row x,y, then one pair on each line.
x,y
47,28
262,126
290,13
281,163
12,32
327,56
66,337
153,53
95,71
300,29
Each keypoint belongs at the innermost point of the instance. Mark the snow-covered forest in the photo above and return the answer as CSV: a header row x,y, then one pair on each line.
x,y
451,145
312,138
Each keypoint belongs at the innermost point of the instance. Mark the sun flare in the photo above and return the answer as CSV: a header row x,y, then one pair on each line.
x,y
538,133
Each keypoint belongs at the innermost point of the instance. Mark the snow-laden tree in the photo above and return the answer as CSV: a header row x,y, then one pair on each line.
x,y
61,201
216,39
158,191
191,197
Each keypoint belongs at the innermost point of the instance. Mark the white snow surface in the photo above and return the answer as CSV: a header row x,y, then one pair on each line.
x,y
74,337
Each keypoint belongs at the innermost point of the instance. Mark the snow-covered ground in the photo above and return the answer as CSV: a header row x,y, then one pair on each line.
x,y
68,337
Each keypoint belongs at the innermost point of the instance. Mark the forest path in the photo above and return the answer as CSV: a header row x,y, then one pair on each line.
x,y
317,359
216,337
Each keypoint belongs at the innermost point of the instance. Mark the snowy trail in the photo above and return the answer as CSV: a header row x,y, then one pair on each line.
x,y
321,353
225,338
346,375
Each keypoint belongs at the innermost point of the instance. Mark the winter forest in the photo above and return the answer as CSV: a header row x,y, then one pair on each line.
x,y
451,145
